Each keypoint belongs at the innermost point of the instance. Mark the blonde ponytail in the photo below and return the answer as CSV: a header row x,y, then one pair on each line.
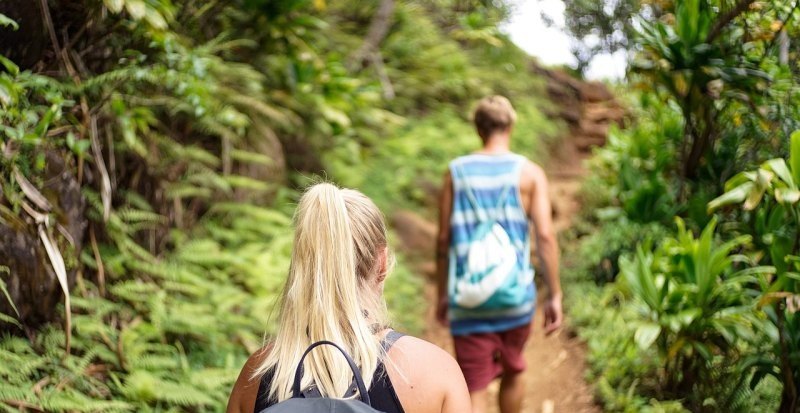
x,y
330,293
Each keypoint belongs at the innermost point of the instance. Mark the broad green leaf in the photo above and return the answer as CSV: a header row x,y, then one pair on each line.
x,y
764,177
734,196
115,6
794,155
10,66
155,19
704,351
6,21
646,334
5,94
778,166
747,275
137,8
686,317
787,195
334,115
739,179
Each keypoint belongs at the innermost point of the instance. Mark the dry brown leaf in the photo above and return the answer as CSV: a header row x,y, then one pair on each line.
x,y
105,182
31,192
57,261
37,216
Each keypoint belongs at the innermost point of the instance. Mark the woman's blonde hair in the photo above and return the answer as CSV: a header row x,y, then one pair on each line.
x,y
494,113
333,292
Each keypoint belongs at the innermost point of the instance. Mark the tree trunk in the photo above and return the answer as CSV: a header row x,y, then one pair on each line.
x,y
25,45
789,394
31,280
783,47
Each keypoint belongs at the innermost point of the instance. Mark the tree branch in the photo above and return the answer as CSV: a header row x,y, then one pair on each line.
x,y
726,18
378,28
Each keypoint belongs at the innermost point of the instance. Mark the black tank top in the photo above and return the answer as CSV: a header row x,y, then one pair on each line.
x,y
381,393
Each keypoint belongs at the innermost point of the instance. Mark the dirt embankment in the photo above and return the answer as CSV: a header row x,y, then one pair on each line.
x,y
556,364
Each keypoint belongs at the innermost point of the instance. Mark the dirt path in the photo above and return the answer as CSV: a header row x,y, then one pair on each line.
x,y
556,364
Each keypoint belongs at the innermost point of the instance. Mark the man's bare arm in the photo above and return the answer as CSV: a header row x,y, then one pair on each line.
x,y
442,247
547,247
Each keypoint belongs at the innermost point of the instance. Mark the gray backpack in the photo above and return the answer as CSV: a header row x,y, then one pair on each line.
x,y
301,404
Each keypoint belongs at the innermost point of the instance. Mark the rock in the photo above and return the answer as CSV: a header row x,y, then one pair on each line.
x,y
595,92
591,129
603,113
572,115
586,143
417,235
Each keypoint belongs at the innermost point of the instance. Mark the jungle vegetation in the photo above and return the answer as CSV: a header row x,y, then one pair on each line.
x,y
151,154
690,237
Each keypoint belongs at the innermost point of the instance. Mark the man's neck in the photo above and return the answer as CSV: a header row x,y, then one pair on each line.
x,y
496,144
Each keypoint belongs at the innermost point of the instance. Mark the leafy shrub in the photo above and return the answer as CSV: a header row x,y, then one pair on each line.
x,y
693,309
637,164
600,251
771,193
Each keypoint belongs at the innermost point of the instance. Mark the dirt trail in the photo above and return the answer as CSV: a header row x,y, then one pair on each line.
x,y
556,364
555,376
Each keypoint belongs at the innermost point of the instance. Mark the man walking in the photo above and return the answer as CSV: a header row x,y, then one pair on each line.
x,y
485,280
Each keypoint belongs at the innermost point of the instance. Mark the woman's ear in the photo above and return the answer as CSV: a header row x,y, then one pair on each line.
x,y
383,264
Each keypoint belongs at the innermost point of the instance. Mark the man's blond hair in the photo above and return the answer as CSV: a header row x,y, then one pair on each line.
x,y
493,114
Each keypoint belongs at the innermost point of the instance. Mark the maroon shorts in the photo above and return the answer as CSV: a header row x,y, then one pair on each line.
x,y
486,356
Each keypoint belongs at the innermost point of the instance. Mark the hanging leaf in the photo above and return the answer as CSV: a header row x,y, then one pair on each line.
x,y
4,289
778,166
31,192
57,262
646,334
137,8
787,195
794,155
6,22
115,6
734,196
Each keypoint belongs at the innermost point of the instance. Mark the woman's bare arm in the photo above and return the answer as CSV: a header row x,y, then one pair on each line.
x,y
245,390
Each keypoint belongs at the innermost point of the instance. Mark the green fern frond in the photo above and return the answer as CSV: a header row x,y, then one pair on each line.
x,y
251,157
130,215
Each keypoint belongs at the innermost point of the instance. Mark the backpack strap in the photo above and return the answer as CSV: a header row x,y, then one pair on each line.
x,y
391,337
298,374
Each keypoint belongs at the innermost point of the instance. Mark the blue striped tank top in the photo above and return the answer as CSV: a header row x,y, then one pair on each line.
x,y
480,183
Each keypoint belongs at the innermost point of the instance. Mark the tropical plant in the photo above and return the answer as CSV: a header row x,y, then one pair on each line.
x,y
691,60
772,194
150,156
637,164
694,309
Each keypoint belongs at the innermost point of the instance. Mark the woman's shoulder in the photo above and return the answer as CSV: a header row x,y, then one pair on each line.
x,y
418,346
411,361
415,358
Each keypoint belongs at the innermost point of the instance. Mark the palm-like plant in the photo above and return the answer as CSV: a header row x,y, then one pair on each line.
x,y
772,194
697,63
693,309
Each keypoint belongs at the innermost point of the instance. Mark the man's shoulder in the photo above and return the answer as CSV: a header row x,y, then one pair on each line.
x,y
532,174
470,157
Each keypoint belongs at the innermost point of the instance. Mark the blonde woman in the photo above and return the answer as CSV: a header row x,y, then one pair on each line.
x,y
334,292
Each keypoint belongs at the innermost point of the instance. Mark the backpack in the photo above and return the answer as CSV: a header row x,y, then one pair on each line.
x,y
487,282
298,403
